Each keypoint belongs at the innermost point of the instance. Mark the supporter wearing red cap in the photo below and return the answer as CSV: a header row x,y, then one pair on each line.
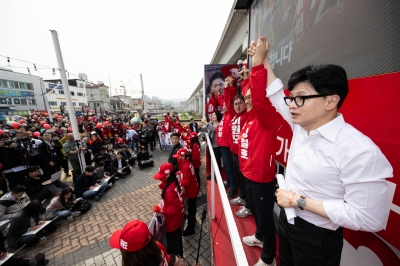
x,y
171,206
138,246
189,182
196,156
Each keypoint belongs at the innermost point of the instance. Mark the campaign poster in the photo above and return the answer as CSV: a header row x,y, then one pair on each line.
x,y
165,140
214,76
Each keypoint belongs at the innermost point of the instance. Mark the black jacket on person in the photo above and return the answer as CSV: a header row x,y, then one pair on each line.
x,y
126,154
47,154
106,157
193,128
34,186
114,165
143,156
83,183
171,159
19,225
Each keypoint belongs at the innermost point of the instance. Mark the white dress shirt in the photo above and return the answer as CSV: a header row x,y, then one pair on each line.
x,y
340,166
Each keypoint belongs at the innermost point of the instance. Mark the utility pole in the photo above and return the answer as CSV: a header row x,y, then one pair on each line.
x,y
141,82
70,107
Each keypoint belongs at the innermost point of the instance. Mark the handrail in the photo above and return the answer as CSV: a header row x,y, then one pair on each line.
x,y
238,250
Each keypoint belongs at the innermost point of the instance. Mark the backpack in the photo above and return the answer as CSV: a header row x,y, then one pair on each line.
x,y
83,206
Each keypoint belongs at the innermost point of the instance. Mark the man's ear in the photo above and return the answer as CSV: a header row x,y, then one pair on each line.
x,y
332,102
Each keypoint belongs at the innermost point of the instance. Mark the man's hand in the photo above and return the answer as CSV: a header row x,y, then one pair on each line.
x,y
119,171
252,49
52,164
228,82
3,255
261,53
284,196
33,228
91,187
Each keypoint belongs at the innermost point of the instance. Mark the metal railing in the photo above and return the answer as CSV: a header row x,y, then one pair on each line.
x,y
238,250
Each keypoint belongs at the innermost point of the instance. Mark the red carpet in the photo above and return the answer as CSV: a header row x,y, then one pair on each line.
x,y
220,242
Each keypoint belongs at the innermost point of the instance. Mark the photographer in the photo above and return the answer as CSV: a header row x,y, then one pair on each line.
x,y
12,156
31,145
72,150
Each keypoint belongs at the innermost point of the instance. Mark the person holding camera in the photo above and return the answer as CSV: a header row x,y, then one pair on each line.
x,y
72,149
13,158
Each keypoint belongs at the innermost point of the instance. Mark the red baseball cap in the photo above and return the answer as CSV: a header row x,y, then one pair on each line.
x,y
134,236
180,152
165,168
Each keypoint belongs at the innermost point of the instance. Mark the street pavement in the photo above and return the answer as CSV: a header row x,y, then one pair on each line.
x,y
84,242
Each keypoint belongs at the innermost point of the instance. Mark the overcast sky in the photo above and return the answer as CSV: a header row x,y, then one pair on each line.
x,y
167,41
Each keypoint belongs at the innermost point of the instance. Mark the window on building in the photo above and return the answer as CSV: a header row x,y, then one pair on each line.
x,y
61,92
63,103
73,104
81,104
91,95
3,83
22,85
3,100
48,90
17,101
29,86
24,102
16,84
80,94
72,93
81,85
9,101
31,101
53,103
10,84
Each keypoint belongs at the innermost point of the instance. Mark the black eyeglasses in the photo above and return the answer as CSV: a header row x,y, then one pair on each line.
x,y
299,100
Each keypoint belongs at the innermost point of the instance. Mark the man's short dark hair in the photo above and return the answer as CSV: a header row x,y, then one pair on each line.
x,y
191,119
120,152
32,169
89,169
103,148
175,135
326,79
18,189
99,164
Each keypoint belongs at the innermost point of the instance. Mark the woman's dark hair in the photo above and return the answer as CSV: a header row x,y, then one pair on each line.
x,y
62,194
218,115
238,96
170,179
326,79
145,256
33,208
194,140
217,75
189,156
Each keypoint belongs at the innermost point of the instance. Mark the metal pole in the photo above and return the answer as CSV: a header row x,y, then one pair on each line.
x,y
212,190
141,82
46,101
70,107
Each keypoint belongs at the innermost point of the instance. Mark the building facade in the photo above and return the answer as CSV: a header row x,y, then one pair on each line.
x,y
19,93
98,97
55,95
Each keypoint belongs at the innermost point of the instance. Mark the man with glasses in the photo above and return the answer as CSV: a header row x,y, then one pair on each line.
x,y
336,174
238,111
